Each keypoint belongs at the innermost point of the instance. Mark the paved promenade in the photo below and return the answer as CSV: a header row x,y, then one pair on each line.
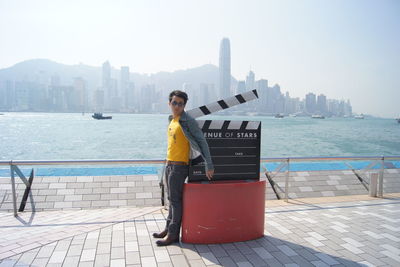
x,y
335,231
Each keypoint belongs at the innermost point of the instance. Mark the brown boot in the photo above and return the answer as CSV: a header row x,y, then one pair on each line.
x,y
168,240
161,234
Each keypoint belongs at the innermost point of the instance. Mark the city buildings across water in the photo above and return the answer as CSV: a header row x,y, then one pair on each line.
x,y
119,91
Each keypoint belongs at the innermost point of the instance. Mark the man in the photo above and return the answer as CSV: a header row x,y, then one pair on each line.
x,y
185,139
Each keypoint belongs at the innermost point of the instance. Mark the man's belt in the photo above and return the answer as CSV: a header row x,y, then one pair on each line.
x,y
170,162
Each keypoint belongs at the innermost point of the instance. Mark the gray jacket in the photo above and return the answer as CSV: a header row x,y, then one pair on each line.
x,y
197,141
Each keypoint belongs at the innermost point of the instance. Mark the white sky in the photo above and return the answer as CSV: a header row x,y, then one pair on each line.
x,y
345,49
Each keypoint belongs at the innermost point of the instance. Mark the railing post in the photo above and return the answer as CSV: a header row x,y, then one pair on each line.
x,y
287,181
381,172
373,184
14,195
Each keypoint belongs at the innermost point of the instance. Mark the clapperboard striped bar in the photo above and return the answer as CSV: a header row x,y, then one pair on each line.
x,y
223,104
234,148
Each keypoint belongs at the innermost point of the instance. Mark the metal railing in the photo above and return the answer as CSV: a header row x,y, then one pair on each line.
x,y
13,164
80,162
285,163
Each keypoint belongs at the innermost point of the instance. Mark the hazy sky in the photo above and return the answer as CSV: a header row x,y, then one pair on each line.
x,y
345,49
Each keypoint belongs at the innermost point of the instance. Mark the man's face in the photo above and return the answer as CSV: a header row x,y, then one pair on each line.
x,y
177,105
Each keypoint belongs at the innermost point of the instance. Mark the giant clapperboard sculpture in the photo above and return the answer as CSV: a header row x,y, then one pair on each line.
x,y
234,145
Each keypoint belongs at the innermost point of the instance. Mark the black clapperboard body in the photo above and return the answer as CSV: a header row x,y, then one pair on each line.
x,y
234,148
234,145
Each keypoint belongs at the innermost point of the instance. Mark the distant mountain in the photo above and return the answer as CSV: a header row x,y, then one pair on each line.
x,y
195,76
41,70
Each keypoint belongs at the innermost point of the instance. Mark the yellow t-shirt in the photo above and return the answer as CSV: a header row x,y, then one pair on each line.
x,y
178,145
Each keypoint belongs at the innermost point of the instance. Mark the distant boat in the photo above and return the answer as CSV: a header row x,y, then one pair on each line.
x,y
317,116
360,117
279,115
99,116
398,120
293,115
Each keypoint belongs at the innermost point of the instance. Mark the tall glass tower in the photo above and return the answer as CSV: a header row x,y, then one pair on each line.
x,y
106,75
225,68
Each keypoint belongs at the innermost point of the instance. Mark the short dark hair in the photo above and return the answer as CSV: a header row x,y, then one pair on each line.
x,y
180,94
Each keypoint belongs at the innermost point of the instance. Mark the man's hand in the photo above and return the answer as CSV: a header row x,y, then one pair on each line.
x,y
210,174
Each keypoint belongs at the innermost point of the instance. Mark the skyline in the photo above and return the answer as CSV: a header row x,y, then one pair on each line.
x,y
343,49
44,85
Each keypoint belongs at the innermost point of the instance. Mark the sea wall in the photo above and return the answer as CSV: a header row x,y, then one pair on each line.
x,y
84,192
93,192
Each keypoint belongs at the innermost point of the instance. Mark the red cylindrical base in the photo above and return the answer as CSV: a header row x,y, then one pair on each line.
x,y
223,212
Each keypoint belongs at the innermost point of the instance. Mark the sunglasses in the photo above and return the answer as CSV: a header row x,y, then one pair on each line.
x,y
179,104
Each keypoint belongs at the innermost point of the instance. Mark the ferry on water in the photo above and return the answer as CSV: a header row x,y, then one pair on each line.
x,y
317,116
99,116
360,117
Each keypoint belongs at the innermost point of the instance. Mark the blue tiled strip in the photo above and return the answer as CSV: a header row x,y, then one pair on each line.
x,y
295,166
329,166
84,171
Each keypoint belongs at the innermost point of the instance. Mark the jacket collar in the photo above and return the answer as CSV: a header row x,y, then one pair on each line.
x,y
184,117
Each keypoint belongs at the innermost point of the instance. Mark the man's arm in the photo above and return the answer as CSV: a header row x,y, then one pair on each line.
x,y
201,141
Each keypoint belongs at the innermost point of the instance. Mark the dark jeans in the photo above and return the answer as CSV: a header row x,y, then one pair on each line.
x,y
175,178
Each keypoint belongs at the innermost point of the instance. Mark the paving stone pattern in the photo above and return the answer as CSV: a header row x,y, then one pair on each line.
x,y
88,192
358,233
84,192
329,183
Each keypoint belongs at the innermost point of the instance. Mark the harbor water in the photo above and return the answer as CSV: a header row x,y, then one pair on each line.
x,y
66,136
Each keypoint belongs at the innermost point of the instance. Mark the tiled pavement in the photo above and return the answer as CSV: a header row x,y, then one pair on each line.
x,y
119,191
311,233
330,183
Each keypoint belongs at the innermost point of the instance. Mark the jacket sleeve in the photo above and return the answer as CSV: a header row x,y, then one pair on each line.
x,y
201,141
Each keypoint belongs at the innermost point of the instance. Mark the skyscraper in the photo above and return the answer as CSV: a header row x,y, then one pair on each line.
x,y
125,87
321,104
262,88
311,103
98,100
106,75
147,98
80,94
225,68
106,84
250,81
